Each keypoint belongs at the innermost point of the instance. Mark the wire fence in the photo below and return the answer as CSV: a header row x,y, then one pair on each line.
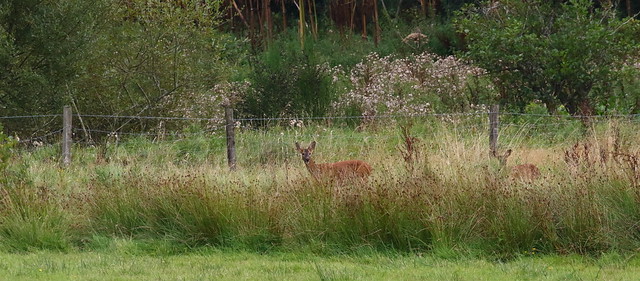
x,y
112,124
533,130
174,126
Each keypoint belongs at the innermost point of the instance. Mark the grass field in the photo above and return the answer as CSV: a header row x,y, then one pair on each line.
x,y
448,211
234,265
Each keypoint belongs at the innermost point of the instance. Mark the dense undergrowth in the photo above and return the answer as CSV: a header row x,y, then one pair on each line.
x,y
448,197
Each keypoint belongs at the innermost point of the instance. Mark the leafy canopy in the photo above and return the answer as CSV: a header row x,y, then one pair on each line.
x,y
561,54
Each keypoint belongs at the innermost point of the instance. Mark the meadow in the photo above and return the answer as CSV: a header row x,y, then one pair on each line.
x,y
124,263
434,192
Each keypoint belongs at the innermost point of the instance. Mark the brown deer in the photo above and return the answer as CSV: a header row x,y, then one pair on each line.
x,y
523,172
341,171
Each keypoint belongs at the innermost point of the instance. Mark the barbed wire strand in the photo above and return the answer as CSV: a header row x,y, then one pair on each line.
x,y
505,127
30,116
31,139
383,116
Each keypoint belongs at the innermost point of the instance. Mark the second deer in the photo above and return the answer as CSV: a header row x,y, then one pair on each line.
x,y
341,171
524,172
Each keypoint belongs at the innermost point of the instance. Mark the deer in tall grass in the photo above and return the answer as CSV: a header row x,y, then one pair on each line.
x,y
524,172
340,171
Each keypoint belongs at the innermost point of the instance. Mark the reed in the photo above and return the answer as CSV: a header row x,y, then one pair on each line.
x,y
451,197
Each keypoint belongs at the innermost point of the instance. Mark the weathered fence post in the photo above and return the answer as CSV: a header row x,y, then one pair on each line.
x,y
231,137
494,111
67,139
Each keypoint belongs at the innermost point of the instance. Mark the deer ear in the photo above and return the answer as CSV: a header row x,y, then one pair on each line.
x,y
298,147
312,145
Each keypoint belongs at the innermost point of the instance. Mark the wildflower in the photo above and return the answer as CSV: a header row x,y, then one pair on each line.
x,y
296,123
386,85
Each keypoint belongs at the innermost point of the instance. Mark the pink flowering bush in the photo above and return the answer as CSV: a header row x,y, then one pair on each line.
x,y
408,86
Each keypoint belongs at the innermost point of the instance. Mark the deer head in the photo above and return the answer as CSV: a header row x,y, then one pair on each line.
x,y
306,152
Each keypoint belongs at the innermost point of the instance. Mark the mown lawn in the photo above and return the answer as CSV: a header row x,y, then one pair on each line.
x,y
229,265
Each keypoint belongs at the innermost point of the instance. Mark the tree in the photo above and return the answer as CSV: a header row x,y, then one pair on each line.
x,y
152,58
40,45
558,52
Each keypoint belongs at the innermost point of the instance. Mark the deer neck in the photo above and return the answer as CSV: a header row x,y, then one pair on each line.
x,y
311,165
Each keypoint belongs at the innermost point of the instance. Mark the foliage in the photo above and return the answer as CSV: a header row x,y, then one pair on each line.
x,y
415,85
175,58
109,57
6,150
152,58
559,53
42,47
210,103
289,81
450,200
626,97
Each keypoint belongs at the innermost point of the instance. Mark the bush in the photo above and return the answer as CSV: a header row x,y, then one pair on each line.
x,y
289,81
559,52
418,84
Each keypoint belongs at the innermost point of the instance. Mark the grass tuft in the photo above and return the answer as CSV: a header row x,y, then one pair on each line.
x,y
433,189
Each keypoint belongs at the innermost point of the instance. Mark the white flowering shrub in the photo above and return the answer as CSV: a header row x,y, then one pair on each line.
x,y
408,86
211,103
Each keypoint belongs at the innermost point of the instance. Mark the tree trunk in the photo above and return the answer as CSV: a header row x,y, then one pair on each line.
x,y
268,19
376,34
301,22
423,7
353,16
284,15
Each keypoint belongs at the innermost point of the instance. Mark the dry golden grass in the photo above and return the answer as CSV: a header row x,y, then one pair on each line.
x,y
449,194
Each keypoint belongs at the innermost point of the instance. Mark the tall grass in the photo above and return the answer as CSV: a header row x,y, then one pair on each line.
x,y
453,197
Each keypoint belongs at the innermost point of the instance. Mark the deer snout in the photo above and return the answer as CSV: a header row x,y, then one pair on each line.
x,y
306,157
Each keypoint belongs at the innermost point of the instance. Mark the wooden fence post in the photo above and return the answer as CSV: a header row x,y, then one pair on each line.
x,y
67,139
231,137
494,111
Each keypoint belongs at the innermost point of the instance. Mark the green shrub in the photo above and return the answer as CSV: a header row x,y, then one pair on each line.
x,y
559,52
289,81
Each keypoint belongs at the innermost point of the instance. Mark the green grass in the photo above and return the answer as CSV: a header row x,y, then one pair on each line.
x,y
452,198
123,263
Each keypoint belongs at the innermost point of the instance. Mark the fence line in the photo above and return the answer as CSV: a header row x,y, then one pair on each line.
x,y
30,116
572,116
149,117
471,122
540,122
31,139
383,116
147,133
